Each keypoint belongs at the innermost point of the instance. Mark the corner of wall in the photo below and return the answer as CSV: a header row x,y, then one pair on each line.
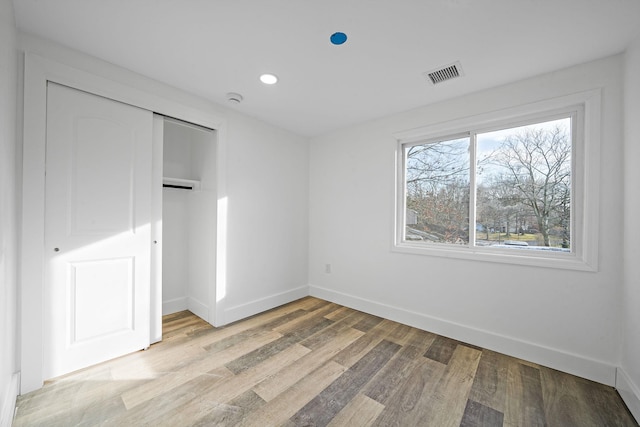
x,y
250,308
629,392
9,404
174,305
9,220
198,308
628,374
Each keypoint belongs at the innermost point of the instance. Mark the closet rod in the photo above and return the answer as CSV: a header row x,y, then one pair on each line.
x,y
181,187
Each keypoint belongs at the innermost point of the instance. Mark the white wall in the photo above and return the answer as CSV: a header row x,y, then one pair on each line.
x,y
268,216
565,319
629,376
175,246
8,219
202,224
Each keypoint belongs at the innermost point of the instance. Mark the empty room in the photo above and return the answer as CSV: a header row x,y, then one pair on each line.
x,y
290,213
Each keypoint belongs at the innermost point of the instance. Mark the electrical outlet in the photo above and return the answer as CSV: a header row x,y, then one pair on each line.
x,y
327,268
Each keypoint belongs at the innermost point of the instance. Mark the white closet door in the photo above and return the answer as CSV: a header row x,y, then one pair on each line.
x,y
97,229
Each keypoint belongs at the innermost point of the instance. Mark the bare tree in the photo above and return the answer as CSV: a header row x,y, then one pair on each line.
x,y
538,165
499,204
437,183
435,164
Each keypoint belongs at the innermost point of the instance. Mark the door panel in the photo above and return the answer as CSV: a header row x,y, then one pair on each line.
x,y
95,285
97,229
102,162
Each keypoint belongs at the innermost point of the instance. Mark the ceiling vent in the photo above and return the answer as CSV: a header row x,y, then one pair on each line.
x,y
443,74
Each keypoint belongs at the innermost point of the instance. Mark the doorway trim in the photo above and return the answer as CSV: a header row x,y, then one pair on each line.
x,y
37,72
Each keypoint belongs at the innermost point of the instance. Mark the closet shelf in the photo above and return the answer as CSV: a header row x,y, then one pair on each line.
x,y
180,184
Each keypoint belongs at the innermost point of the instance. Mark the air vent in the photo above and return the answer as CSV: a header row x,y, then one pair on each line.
x,y
445,73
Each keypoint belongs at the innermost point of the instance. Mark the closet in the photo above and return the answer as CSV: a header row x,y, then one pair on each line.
x,y
119,174
129,227
189,220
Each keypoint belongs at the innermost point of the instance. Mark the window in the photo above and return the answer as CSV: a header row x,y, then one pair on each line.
x,y
509,189
437,190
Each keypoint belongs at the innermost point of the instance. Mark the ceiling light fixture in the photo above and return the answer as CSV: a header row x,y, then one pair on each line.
x,y
234,98
269,79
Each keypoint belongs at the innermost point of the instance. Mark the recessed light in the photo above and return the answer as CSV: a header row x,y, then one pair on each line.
x,y
269,79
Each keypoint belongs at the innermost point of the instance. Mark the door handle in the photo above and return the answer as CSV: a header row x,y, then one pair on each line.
x,y
56,249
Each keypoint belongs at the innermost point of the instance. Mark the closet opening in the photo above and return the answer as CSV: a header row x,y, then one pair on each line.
x,y
189,218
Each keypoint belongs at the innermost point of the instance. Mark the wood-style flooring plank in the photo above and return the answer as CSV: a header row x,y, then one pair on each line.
x,y
367,323
363,345
525,401
564,400
490,382
339,314
573,401
441,349
447,404
361,411
407,406
393,374
233,413
311,304
401,335
478,415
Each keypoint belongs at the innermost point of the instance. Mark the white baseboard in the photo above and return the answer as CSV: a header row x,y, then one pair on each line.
x,y
9,401
174,305
629,391
185,303
242,311
571,363
199,309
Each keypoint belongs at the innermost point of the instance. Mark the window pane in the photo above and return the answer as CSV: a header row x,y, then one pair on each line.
x,y
437,191
523,194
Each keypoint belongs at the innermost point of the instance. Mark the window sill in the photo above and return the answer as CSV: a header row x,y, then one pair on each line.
x,y
544,259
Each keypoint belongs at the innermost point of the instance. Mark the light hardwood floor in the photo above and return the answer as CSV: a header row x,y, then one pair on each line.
x,y
315,363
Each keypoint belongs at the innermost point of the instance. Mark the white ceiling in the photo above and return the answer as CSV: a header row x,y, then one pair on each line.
x,y
211,47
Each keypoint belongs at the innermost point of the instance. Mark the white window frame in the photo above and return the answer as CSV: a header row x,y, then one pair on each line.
x,y
584,107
